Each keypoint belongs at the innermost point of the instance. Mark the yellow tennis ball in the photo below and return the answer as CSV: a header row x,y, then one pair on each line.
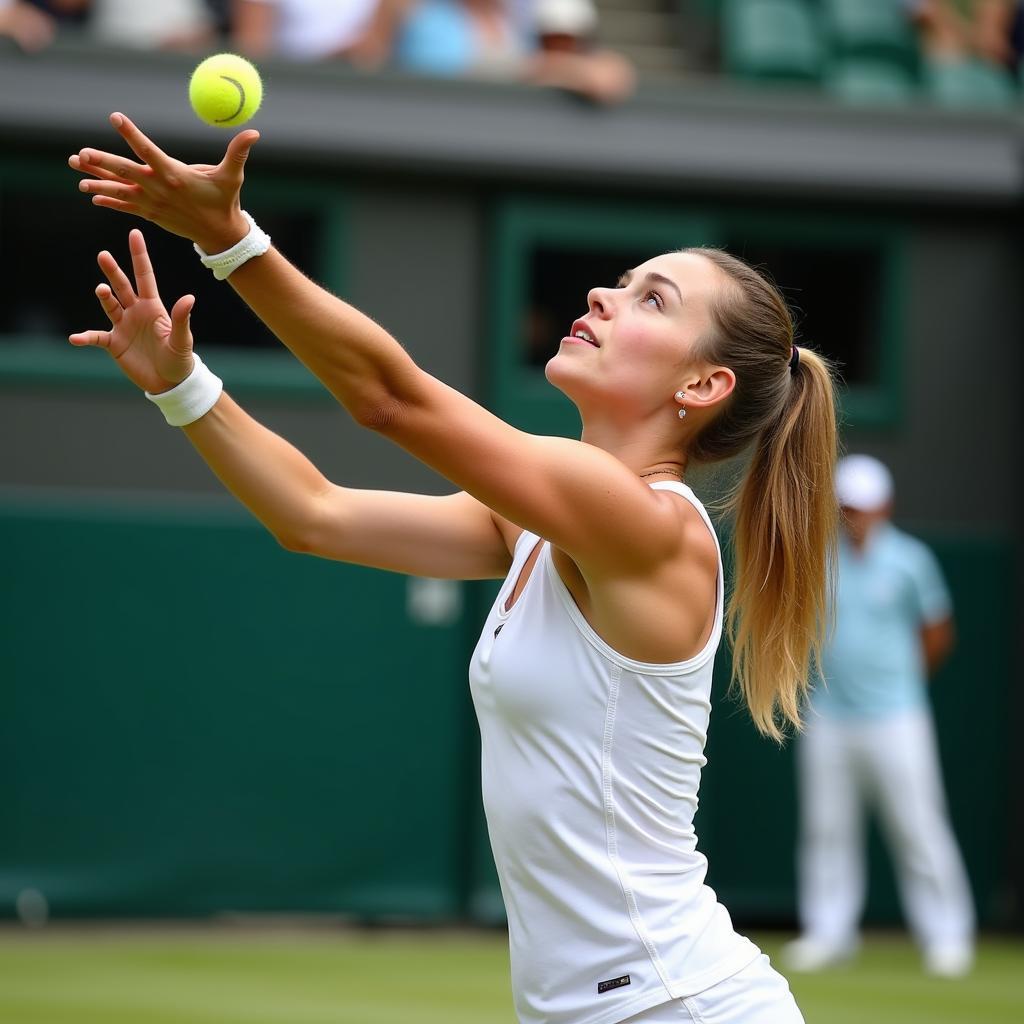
x,y
225,90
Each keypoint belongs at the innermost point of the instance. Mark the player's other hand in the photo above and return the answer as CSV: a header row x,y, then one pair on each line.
x,y
152,347
198,201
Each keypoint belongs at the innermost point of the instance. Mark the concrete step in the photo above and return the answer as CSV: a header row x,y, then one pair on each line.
x,y
654,59
662,6
624,27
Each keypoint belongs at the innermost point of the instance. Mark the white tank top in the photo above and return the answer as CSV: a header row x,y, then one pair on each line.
x,y
590,765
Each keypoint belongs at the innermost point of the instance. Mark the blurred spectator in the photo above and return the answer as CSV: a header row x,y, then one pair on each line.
x,y
461,37
314,29
869,734
155,24
29,27
33,24
549,43
961,29
568,58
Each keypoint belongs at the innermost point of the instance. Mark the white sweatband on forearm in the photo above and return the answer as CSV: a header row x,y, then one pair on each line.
x,y
255,243
194,397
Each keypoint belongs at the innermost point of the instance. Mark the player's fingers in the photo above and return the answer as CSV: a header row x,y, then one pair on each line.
x,y
97,339
118,279
76,164
231,169
144,148
145,278
115,166
116,204
181,335
113,189
109,302
238,150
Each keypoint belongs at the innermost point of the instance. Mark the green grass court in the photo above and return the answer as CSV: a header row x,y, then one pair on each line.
x,y
227,976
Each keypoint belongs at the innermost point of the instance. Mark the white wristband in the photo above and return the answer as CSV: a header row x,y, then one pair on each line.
x,y
255,243
194,397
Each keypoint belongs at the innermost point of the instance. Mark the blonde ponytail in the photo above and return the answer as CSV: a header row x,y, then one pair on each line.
x,y
785,510
784,542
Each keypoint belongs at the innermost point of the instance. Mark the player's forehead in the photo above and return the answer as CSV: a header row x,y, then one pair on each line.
x,y
692,273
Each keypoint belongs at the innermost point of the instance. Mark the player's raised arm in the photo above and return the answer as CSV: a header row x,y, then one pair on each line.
x,y
575,495
453,536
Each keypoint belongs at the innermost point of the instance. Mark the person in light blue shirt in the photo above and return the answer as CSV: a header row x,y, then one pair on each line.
x,y
890,591
870,734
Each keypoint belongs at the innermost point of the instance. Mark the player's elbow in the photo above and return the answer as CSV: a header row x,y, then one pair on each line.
x,y
319,527
298,542
381,416
393,401
301,535
387,417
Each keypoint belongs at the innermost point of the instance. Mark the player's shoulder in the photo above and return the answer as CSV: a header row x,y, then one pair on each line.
x,y
696,533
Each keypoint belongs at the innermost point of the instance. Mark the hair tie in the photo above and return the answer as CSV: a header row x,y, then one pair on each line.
x,y
794,360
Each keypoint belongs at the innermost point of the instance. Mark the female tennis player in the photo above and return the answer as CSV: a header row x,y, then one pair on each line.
x,y
592,675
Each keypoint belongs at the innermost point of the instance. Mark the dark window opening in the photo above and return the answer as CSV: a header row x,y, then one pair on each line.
x,y
35,302
835,294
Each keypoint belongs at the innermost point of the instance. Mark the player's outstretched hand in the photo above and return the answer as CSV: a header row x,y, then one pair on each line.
x,y
152,348
198,201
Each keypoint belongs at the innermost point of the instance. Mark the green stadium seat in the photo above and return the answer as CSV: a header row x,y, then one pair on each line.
x,y
970,84
869,28
863,80
776,39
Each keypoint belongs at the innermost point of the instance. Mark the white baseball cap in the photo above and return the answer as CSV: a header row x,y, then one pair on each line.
x,y
565,17
863,483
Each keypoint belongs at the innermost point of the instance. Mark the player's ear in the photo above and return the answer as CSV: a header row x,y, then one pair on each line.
x,y
713,386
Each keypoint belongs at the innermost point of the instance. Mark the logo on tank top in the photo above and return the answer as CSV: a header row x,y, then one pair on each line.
x,y
607,986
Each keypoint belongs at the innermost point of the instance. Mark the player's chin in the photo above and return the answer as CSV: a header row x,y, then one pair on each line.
x,y
559,371
569,375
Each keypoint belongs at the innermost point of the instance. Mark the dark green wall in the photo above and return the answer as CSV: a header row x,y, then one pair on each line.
x,y
197,721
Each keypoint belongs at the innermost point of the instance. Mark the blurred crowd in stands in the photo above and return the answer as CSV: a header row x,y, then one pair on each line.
x,y
872,50
548,42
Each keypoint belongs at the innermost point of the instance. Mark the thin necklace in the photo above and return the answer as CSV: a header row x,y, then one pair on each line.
x,y
667,472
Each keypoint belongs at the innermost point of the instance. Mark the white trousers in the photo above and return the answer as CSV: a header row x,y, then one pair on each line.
x,y
893,763
756,995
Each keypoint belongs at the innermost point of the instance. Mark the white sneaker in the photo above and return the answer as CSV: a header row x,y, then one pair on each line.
x,y
809,954
949,961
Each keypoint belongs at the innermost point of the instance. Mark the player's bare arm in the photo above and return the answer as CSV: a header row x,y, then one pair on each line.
x,y
451,536
573,494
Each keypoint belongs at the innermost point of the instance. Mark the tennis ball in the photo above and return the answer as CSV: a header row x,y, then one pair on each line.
x,y
225,90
